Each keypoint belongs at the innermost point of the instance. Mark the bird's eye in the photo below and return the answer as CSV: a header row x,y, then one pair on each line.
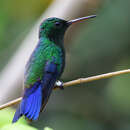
x,y
58,24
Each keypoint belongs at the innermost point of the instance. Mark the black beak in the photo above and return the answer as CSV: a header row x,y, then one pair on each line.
x,y
80,19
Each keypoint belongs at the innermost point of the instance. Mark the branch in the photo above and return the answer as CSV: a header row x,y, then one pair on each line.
x,y
75,82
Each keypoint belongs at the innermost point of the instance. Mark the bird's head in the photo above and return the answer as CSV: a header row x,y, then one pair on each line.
x,y
54,28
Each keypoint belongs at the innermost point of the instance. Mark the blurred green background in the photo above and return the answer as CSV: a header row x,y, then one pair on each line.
x,y
98,46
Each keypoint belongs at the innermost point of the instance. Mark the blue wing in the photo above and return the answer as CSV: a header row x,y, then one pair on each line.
x,y
35,98
48,81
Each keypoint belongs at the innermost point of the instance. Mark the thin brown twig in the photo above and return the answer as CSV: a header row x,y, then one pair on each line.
x,y
75,82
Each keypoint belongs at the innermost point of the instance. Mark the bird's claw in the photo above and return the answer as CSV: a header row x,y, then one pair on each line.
x,y
59,84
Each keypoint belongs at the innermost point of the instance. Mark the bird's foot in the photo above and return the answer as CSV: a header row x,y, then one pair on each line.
x,y
59,84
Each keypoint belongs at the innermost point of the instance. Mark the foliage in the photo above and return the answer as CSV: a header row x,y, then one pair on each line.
x,y
6,116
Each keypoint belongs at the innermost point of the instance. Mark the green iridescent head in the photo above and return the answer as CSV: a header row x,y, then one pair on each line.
x,y
54,28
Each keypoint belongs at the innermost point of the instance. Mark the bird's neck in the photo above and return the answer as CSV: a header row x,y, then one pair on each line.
x,y
50,39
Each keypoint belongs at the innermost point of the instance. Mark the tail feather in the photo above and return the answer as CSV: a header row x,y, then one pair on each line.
x,y
17,115
30,104
26,104
33,109
39,103
37,110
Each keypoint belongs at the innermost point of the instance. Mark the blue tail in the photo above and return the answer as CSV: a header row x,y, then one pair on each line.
x,y
31,103
36,97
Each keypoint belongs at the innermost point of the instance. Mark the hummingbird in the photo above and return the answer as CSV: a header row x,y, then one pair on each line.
x,y
44,67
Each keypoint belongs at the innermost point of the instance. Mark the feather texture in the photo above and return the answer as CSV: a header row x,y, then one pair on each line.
x,y
31,103
44,67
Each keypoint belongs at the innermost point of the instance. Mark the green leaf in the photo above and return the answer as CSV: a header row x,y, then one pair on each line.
x,y
17,126
6,116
